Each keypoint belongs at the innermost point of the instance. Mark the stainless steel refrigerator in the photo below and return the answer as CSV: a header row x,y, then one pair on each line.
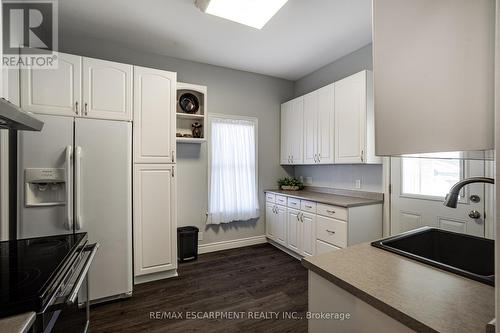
x,y
76,176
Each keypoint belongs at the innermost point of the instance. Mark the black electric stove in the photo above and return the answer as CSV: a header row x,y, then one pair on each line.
x,y
32,270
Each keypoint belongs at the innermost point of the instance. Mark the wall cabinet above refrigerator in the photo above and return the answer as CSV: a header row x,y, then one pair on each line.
x,y
434,75
79,87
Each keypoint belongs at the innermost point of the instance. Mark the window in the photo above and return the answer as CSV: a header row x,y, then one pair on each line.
x,y
233,170
429,177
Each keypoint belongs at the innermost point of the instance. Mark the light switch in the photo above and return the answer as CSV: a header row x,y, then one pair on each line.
x,y
358,183
308,180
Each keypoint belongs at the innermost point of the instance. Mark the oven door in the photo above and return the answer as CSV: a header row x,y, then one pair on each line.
x,y
70,313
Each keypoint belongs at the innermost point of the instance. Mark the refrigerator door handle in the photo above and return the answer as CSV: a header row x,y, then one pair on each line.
x,y
78,166
69,217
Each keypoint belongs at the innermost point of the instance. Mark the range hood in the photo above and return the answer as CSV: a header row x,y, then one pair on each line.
x,y
12,117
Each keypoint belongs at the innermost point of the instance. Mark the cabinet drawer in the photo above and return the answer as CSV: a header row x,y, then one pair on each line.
x,y
335,212
281,200
294,203
308,206
322,247
331,231
270,197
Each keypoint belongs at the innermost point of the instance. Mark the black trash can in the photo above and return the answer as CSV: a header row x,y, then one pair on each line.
x,y
187,243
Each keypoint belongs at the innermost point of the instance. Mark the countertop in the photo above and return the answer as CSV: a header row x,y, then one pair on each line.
x,y
329,198
17,324
423,298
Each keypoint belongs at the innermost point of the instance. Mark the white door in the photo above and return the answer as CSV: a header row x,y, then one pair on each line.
x,y
296,130
46,149
326,129
107,89
270,220
418,189
350,118
279,225
311,128
308,234
154,216
285,153
294,232
103,201
53,91
154,115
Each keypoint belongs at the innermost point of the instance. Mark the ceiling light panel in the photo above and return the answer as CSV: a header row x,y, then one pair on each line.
x,y
254,13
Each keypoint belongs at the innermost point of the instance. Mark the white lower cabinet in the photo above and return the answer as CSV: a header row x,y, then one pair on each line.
x,y
155,238
309,228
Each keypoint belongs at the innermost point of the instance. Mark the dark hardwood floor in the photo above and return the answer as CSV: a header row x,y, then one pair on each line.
x,y
252,281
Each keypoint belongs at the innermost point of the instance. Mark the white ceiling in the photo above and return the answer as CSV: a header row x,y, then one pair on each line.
x,y
303,36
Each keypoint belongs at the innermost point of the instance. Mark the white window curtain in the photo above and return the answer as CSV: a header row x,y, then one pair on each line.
x,y
233,170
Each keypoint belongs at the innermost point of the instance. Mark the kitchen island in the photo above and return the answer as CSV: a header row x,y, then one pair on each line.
x,y
383,292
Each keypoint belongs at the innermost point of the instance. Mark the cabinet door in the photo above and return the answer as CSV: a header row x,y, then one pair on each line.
x,y
154,115
311,128
270,217
296,131
155,238
350,119
294,232
308,233
285,144
107,89
53,91
325,130
280,225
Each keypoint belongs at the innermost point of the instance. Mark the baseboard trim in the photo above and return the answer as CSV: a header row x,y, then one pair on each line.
x,y
155,276
231,244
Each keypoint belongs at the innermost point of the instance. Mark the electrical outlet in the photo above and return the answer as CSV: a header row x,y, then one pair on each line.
x,y
200,235
358,183
301,178
308,180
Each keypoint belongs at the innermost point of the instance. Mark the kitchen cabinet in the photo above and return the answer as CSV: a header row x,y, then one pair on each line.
x,y
354,120
319,126
155,248
434,77
107,89
53,91
292,129
313,228
154,115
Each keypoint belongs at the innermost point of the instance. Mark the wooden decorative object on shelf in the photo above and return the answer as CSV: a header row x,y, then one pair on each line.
x,y
191,113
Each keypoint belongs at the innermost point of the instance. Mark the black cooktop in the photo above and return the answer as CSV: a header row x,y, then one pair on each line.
x,y
30,268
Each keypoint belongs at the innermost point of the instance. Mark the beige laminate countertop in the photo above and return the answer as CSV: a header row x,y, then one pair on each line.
x,y
17,324
423,298
327,198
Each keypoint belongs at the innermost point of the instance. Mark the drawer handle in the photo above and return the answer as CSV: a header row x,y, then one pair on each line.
x,y
308,206
330,232
330,211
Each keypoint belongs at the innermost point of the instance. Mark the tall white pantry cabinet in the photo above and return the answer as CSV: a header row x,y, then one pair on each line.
x,y
154,185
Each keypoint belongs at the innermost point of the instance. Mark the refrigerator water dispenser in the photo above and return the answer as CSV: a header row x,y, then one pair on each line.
x,y
44,187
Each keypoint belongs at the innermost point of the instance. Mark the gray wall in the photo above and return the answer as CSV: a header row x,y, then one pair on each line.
x,y
343,67
229,92
340,176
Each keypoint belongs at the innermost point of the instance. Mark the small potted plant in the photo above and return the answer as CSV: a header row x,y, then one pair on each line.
x,y
290,184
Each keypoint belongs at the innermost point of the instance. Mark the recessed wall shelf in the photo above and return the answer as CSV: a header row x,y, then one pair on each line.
x,y
196,99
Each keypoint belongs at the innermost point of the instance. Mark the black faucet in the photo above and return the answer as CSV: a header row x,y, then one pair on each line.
x,y
451,198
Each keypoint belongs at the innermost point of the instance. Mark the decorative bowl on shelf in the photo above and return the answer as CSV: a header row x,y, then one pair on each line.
x,y
290,184
189,103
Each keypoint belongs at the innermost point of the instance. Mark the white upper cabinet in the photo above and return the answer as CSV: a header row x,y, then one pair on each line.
x,y
292,114
154,115
107,89
354,127
434,75
53,91
319,126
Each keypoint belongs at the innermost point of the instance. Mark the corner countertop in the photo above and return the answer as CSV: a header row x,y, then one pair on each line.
x,y
329,198
17,324
422,297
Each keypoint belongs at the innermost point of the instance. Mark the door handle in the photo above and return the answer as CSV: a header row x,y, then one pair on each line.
x,y
83,273
76,107
69,217
78,185
86,113
474,214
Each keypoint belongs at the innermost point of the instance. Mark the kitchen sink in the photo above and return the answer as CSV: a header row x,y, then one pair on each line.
x,y
469,256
